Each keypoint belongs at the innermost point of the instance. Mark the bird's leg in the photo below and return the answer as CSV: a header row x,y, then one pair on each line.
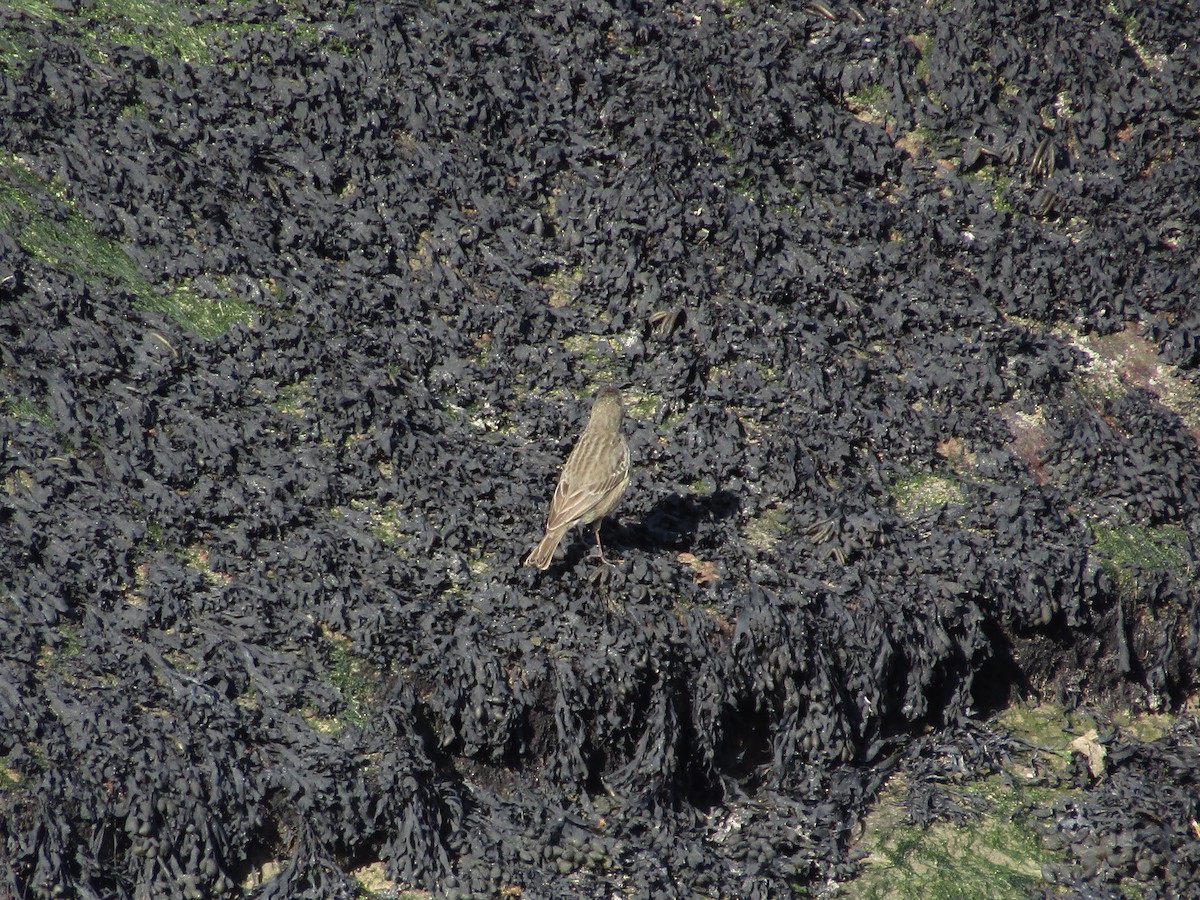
x,y
602,575
600,548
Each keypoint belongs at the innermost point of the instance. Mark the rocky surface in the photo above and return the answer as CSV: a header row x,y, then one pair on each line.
x,y
301,308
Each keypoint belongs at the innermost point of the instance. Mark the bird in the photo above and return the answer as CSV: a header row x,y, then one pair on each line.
x,y
593,478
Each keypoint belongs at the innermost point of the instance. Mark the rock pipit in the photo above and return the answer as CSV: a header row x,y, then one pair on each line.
x,y
592,480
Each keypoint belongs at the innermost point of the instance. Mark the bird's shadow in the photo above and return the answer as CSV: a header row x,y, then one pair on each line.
x,y
674,522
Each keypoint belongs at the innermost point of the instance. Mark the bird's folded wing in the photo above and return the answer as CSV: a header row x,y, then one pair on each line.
x,y
573,501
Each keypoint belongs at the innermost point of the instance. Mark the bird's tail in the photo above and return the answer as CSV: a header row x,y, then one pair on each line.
x,y
541,555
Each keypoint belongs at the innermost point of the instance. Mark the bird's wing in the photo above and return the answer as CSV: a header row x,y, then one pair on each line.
x,y
576,494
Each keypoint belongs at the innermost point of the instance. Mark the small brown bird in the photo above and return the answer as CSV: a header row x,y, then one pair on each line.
x,y
592,480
